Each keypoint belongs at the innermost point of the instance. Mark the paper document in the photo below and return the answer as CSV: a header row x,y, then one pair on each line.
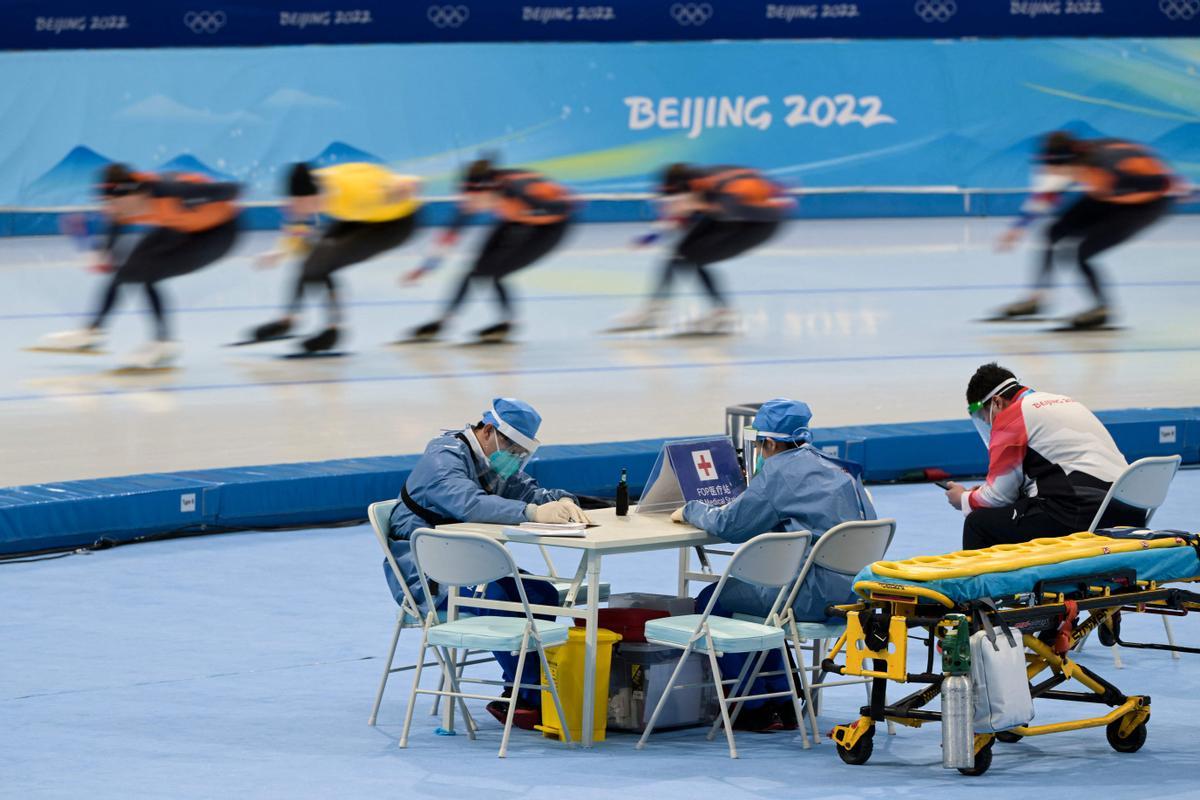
x,y
548,529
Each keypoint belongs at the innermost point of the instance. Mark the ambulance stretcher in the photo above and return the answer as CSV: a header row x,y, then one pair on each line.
x,y
1053,592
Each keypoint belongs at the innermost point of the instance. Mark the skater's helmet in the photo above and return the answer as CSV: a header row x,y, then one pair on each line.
x,y
118,180
480,175
300,181
1060,149
677,179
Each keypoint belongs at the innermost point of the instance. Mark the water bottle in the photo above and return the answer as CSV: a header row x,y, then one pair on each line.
x,y
622,495
958,706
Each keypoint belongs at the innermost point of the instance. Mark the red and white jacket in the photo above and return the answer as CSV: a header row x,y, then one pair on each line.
x,y
1050,447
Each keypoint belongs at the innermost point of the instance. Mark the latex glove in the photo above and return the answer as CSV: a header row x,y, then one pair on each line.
x,y
552,513
677,516
577,514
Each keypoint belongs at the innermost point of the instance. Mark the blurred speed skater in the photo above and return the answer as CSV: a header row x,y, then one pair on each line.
x,y
1127,188
371,210
722,212
534,215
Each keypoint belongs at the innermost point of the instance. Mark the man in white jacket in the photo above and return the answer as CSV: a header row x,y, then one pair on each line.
x,y
1050,464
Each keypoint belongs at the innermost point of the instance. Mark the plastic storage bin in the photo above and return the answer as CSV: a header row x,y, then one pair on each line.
x,y
639,675
567,666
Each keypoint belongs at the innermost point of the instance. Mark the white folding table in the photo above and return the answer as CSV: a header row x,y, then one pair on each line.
x,y
635,533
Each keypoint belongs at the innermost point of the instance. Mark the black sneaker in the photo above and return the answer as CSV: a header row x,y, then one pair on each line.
x,y
526,717
325,340
787,716
762,719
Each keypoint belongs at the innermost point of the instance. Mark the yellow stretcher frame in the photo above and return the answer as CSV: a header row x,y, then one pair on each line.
x,y
904,606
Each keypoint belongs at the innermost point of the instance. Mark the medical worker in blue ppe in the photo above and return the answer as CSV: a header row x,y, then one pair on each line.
x,y
795,487
475,475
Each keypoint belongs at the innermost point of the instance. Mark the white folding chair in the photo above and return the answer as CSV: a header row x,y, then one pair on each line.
x,y
409,615
1143,484
472,559
845,548
770,560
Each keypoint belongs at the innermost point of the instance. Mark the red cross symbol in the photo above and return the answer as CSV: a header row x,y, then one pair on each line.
x,y
703,465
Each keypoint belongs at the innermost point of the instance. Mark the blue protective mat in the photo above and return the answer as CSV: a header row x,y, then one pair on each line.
x,y
80,512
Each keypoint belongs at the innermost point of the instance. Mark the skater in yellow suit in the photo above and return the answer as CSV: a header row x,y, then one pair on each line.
x,y
370,210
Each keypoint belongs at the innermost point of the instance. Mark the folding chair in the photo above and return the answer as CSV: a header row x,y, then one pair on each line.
x,y
472,559
770,560
845,548
409,615
1143,484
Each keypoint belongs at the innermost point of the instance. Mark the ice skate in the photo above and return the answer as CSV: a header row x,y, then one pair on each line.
x,y
647,318
155,355
494,334
322,342
84,340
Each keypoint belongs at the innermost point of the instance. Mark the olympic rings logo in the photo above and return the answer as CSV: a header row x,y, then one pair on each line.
x,y
204,21
1181,10
691,13
937,10
448,16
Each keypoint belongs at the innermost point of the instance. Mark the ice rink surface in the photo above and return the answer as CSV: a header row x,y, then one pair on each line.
x,y
245,665
867,320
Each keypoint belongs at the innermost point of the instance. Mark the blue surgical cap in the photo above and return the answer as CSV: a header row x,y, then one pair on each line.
x,y
516,419
783,420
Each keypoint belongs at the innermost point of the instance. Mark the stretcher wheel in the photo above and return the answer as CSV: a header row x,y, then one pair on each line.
x,y
983,760
1108,636
1131,743
1008,737
860,753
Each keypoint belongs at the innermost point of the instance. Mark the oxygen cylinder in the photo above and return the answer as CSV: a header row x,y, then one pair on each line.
x,y
958,710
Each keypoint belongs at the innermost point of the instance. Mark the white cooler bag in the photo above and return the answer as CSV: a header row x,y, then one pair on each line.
x,y
998,678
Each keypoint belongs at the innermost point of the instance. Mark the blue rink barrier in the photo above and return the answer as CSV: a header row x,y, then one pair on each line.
x,y
832,205
123,509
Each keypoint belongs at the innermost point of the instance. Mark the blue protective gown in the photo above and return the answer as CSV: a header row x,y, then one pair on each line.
x,y
453,479
800,489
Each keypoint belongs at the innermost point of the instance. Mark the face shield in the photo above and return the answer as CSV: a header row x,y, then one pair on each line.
x,y
513,448
980,411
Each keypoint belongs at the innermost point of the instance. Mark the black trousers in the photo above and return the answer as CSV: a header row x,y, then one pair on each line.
x,y
707,242
341,245
165,253
1097,227
509,247
1030,519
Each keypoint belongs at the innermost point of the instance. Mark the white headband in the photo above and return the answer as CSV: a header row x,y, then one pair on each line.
x,y
1004,384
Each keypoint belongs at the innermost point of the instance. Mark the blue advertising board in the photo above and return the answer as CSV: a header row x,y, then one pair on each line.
x,y
57,24
934,120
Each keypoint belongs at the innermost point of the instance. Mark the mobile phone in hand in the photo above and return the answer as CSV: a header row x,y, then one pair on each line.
x,y
943,484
